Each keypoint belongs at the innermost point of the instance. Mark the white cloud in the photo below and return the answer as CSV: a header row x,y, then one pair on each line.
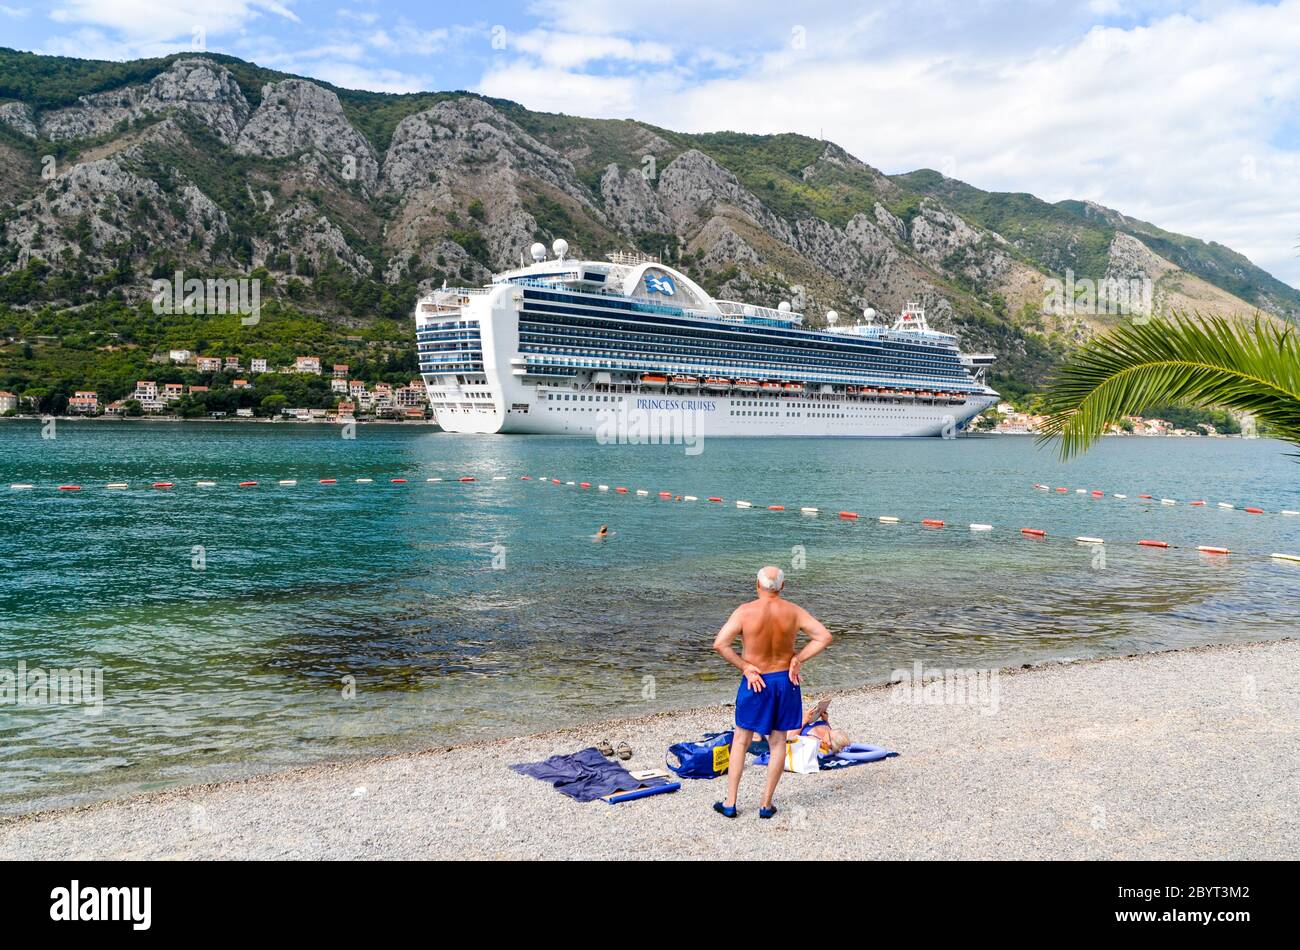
x,y
140,23
571,50
1173,121
17,13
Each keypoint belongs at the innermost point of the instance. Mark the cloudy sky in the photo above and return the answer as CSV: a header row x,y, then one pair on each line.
x,y
1186,114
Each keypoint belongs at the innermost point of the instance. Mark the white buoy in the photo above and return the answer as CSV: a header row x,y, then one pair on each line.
x,y
498,478
887,519
1295,558
288,482
603,487
364,481
689,498
1290,513
744,504
1121,496
1168,501
1081,491
117,486
433,479
809,511
976,526
21,486
642,491
205,484
1225,505
1084,539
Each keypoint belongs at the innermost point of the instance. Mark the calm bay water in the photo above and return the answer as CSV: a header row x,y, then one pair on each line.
x,y
240,666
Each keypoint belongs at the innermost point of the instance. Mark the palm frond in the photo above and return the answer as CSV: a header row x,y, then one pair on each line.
x,y
1209,362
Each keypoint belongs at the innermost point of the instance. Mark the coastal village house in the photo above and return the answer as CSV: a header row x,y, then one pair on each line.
x,y
232,362
8,401
146,394
180,356
172,391
339,385
241,384
84,400
340,370
307,364
257,366
208,364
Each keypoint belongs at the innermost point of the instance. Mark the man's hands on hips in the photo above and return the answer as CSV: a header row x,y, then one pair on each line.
x,y
795,664
754,678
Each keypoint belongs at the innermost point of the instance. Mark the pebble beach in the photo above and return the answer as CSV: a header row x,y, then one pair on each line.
x,y
1189,754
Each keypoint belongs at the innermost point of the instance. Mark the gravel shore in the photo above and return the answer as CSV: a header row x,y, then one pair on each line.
x,y
1188,754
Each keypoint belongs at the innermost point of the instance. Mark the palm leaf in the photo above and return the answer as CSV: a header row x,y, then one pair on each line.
x,y
1209,362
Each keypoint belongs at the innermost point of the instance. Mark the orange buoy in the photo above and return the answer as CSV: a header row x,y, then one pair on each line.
x,y
1062,490
1197,504
69,488
1153,544
665,494
932,522
848,515
1097,494
1144,496
247,484
621,490
329,481
164,485
1207,549
1034,532
397,481
711,497
584,484
1253,511
467,478
525,478
776,507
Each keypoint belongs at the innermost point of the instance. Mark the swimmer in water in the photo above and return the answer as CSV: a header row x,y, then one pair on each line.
x,y
602,532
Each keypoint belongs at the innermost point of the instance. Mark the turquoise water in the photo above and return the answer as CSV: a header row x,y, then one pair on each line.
x,y
241,666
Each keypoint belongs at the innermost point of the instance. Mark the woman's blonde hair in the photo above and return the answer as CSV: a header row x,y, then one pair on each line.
x,y
838,740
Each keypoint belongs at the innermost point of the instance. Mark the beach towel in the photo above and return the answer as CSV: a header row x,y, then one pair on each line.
x,y
584,776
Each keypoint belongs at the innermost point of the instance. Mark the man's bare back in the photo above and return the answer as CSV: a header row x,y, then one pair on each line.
x,y
767,629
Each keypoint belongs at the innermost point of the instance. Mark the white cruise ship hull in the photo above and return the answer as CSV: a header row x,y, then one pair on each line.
x,y
653,417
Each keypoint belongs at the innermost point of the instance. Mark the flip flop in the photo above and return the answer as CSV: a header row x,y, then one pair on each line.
x,y
623,751
727,811
767,812
604,748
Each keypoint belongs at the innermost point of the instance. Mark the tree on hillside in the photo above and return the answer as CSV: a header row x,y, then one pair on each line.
x,y
1207,362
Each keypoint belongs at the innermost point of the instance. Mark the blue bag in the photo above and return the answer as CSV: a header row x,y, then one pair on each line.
x,y
708,758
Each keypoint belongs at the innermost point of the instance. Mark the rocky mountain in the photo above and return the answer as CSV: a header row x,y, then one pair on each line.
x,y
347,204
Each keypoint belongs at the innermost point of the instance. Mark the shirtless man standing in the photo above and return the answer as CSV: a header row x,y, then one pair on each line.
x,y
769,701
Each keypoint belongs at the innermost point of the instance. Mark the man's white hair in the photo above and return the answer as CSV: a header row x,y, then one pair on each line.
x,y
771,578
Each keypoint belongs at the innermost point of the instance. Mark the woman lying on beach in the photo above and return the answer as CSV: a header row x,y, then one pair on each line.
x,y
816,722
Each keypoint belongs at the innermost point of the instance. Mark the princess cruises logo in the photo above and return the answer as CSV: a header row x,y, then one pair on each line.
x,y
660,284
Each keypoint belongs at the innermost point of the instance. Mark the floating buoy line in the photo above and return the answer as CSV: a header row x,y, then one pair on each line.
x,y
938,524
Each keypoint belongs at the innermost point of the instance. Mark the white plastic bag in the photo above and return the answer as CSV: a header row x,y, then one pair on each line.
x,y
801,754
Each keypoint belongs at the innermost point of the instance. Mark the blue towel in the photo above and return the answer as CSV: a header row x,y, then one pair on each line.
x,y
585,776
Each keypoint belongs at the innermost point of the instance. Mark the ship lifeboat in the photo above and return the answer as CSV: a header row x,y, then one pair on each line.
x,y
685,382
793,387
748,385
770,386
717,382
653,379
850,390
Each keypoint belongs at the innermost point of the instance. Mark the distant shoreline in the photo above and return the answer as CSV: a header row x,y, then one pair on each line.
x,y
255,420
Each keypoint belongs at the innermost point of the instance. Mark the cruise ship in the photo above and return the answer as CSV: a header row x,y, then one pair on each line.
x,y
585,347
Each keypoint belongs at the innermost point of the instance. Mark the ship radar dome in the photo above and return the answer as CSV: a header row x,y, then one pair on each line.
x,y
538,251
560,247
869,314
783,306
832,317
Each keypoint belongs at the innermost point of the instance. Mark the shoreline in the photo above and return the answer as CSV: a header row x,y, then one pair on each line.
x,y
1186,753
